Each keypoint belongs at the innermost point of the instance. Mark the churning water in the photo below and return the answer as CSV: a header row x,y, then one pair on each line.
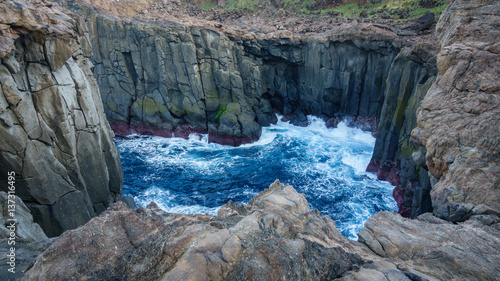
x,y
194,176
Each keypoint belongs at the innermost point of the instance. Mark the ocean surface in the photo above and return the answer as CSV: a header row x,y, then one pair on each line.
x,y
194,176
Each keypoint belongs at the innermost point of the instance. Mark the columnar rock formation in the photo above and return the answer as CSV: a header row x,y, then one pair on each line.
x,y
459,119
169,78
54,133
58,142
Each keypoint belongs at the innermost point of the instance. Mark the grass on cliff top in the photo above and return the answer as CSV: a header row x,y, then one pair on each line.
x,y
411,8
393,9
241,5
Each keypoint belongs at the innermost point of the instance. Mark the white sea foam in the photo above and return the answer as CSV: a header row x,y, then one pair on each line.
x,y
328,165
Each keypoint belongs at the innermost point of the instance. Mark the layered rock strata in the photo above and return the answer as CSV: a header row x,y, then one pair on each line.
x,y
276,236
459,119
54,134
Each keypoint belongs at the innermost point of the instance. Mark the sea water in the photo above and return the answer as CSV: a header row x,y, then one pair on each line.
x,y
194,176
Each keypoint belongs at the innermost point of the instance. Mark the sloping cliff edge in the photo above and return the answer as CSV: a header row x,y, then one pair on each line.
x,y
54,135
276,236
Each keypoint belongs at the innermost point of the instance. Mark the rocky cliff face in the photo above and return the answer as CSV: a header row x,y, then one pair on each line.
x,y
163,78
54,133
458,120
274,237
170,78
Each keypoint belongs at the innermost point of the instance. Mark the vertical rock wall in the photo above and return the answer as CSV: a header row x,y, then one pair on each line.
x,y
459,119
54,133
164,78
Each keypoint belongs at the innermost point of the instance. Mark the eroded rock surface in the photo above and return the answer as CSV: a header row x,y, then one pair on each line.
x,y
437,248
459,119
54,134
275,236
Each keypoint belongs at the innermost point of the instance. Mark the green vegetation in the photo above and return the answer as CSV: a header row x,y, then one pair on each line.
x,y
407,148
420,11
346,9
221,111
241,5
394,9
208,6
247,5
399,10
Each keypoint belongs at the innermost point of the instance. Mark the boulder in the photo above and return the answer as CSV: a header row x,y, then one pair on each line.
x,y
27,238
434,247
275,236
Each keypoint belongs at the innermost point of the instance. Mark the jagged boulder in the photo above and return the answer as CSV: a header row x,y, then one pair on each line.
x,y
275,236
20,238
435,248
54,134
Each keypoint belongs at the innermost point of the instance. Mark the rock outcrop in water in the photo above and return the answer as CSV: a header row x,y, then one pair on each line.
x,y
459,119
54,133
274,237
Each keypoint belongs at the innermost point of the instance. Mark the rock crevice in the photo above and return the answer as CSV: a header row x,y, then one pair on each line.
x,y
275,236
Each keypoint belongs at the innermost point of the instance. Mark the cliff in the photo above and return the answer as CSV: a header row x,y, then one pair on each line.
x,y
459,118
54,133
277,236
173,76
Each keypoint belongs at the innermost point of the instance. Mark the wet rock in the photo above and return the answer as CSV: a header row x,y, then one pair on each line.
x,y
195,69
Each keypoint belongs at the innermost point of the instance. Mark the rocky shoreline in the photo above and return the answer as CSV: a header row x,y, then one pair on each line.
x,y
355,70
437,139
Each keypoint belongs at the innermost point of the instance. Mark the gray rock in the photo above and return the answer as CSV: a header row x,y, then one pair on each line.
x,y
26,229
54,134
173,77
28,241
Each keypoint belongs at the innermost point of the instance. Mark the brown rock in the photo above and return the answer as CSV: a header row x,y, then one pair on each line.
x,y
459,118
274,236
435,248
